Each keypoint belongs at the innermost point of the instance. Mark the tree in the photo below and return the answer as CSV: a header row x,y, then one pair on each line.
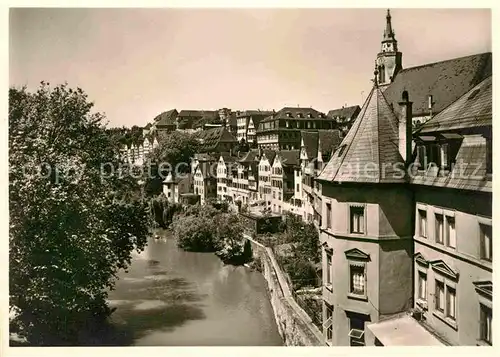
x,y
174,152
72,226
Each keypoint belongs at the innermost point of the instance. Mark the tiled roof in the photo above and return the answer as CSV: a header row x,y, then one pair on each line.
x,y
471,110
329,140
296,113
209,139
166,118
203,157
446,81
345,112
310,140
251,156
289,157
247,113
270,155
469,171
370,146
192,113
228,158
187,118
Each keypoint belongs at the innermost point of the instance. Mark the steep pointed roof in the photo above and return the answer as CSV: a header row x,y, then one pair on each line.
x,y
369,152
388,33
328,141
473,109
310,141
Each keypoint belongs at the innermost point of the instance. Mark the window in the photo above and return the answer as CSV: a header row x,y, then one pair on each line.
x,y
422,223
357,219
485,315
357,280
485,243
327,324
329,268
422,286
298,187
357,332
444,155
451,236
451,307
489,155
328,216
439,296
439,229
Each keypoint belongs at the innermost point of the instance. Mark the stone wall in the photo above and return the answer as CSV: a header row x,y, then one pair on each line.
x,y
294,325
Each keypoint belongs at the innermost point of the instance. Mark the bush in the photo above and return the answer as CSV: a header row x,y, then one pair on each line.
x,y
301,272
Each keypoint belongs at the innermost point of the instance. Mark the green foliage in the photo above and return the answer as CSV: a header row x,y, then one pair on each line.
x,y
304,236
207,229
194,229
126,136
70,230
174,152
163,211
301,271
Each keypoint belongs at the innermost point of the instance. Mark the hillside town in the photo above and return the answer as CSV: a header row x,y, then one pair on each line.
x,y
409,253
368,224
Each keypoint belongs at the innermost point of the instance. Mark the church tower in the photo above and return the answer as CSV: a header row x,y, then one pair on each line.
x,y
389,60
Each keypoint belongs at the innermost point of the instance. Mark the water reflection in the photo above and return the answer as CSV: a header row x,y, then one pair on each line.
x,y
172,297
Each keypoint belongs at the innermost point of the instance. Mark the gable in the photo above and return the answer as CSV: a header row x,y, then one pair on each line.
x,y
484,288
419,258
356,254
444,269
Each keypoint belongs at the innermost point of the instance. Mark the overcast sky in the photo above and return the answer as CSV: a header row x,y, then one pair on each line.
x,y
136,63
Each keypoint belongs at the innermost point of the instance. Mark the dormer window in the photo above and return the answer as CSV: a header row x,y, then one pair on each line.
x,y
288,115
299,115
309,115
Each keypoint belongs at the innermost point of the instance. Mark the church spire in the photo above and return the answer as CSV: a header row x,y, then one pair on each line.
x,y
389,59
388,33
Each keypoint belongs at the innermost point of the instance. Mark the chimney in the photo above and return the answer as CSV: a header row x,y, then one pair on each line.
x,y
430,104
405,127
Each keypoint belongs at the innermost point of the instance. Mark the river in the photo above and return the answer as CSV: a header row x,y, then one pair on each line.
x,y
170,297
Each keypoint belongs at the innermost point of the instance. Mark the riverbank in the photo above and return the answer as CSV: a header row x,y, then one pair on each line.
x,y
295,326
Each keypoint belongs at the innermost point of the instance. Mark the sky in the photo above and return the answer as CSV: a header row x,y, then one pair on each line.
x,y
137,63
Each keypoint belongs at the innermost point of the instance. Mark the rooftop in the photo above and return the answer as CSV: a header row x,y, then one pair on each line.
x,y
446,81
473,109
369,151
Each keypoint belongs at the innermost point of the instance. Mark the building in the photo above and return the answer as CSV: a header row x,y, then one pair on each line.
x,y
248,122
344,117
315,150
453,220
215,140
283,179
433,86
175,186
192,120
165,121
265,164
367,242
406,227
281,131
204,177
224,169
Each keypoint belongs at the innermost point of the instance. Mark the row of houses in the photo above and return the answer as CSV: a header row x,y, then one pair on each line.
x,y
401,197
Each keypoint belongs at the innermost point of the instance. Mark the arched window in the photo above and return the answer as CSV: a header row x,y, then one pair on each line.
x,y
381,74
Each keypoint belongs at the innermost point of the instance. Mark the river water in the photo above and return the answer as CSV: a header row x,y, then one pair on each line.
x,y
171,297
